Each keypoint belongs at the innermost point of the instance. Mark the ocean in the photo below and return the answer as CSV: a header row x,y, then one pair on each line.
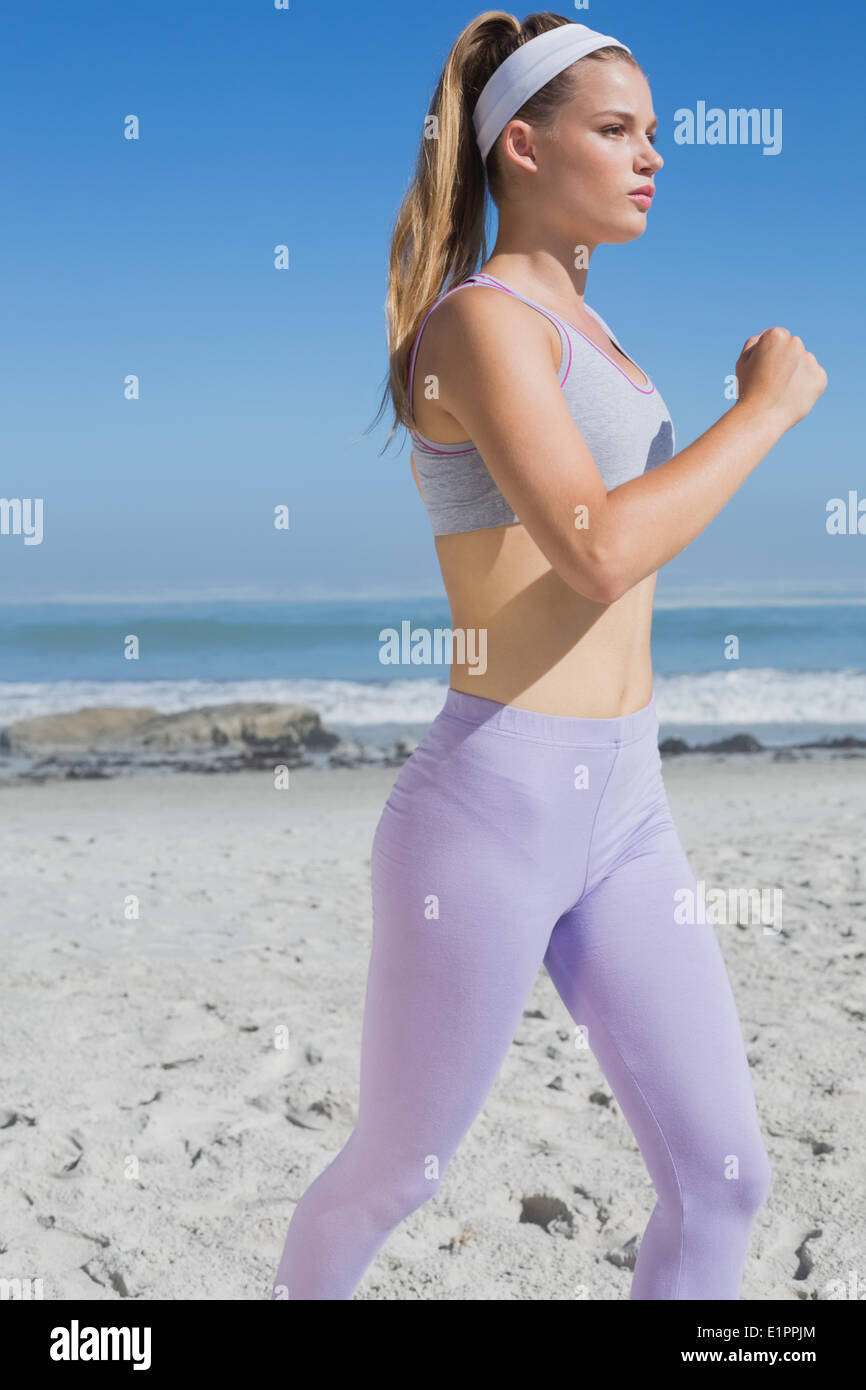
x,y
800,673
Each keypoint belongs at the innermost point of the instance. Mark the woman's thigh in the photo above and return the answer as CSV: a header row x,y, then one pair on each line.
x,y
654,994
464,901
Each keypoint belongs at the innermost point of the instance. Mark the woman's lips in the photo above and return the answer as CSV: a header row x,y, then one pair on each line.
x,y
643,200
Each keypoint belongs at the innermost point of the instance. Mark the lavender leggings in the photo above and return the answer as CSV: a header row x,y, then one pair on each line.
x,y
511,839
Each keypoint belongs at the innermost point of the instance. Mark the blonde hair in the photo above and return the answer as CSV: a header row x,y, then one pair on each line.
x,y
439,234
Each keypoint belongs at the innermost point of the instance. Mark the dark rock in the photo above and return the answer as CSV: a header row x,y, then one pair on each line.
x,y
401,749
354,753
736,743
674,745
626,1256
846,741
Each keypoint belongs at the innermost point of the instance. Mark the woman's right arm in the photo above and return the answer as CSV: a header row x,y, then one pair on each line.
x,y
499,382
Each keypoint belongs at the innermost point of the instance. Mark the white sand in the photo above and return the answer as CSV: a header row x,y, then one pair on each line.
x,y
145,1143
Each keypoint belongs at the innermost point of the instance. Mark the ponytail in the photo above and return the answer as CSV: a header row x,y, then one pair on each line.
x,y
439,234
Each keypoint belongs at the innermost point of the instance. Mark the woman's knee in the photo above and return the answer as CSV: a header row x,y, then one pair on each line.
x,y
398,1193
389,1187
737,1184
757,1180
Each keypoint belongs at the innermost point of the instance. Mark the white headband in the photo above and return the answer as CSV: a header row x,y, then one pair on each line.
x,y
525,71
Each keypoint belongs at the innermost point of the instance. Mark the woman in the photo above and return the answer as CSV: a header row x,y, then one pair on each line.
x,y
531,824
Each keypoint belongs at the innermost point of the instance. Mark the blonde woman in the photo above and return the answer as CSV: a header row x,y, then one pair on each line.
x,y
531,825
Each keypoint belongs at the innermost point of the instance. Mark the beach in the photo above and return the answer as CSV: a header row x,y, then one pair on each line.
x,y
184,960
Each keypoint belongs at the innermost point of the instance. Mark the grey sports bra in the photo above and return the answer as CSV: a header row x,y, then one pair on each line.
x,y
626,427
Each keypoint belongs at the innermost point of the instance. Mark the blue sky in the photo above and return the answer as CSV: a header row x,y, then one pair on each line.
x,y
260,127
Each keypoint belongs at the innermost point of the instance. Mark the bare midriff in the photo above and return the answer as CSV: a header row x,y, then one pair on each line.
x,y
546,647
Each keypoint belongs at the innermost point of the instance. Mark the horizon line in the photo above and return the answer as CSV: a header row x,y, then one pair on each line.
x,y
843,596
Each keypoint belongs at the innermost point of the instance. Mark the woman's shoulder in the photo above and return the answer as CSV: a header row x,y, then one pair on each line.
x,y
482,315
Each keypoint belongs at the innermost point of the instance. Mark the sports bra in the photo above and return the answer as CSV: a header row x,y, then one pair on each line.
x,y
626,427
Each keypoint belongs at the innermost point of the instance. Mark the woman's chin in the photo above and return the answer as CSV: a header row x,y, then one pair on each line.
x,y
629,229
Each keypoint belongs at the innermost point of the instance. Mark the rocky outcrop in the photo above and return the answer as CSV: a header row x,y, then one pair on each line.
x,y
268,730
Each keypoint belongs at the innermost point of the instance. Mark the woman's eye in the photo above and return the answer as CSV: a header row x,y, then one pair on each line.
x,y
652,138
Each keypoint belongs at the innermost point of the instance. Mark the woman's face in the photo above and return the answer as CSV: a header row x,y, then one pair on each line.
x,y
585,169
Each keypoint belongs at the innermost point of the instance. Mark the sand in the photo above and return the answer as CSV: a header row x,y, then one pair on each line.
x,y
171,1083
